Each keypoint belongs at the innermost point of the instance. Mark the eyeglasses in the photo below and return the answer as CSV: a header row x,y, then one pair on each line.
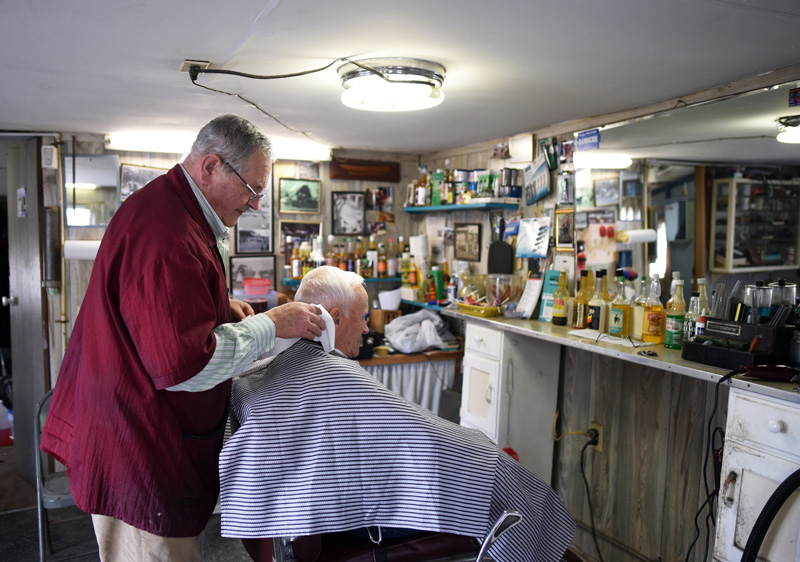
x,y
255,195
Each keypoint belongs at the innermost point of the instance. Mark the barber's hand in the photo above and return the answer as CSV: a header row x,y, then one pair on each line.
x,y
297,320
240,310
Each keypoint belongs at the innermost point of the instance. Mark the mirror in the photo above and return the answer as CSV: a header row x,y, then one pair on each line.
x,y
91,194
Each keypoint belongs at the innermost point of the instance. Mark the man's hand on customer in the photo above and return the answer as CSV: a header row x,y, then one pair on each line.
x,y
240,310
297,320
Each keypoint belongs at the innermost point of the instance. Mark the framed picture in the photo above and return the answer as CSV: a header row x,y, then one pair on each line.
x,y
302,230
606,192
133,178
253,232
241,267
298,196
349,215
565,230
467,241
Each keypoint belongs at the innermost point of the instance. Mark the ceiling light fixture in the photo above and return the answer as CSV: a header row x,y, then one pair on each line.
x,y
789,129
392,84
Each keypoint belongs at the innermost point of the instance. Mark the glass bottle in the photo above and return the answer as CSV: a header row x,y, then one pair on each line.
x,y
637,309
560,298
413,273
703,295
288,247
653,322
580,308
319,259
676,316
391,259
330,255
297,263
405,269
381,260
597,316
692,316
676,275
342,257
619,321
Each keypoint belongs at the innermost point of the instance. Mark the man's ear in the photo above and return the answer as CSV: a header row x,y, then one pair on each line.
x,y
209,164
336,314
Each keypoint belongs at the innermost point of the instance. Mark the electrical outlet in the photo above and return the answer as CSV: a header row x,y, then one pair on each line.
x,y
599,429
188,63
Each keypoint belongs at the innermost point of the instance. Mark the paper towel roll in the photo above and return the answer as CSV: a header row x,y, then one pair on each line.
x,y
81,249
637,236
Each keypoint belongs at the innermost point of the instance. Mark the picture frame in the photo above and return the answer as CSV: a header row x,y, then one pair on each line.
x,y
301,196
133,177
253,231
565,230
305,231
348,212
240,267
606,192
467,241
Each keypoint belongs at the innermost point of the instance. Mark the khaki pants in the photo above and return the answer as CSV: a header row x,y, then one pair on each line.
x,y
119,542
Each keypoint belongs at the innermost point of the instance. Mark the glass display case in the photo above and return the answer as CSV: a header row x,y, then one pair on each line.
x,y
754,225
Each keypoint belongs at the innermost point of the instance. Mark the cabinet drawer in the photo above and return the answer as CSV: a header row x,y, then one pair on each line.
x,y
482,340
762,422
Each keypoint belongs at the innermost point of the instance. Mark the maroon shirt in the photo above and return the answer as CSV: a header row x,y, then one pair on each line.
x,y
133,450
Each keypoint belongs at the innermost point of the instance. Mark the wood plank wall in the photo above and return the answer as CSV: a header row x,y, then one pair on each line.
x,y
646,485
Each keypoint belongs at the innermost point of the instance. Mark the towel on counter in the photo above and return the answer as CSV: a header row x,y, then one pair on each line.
x,y
325,447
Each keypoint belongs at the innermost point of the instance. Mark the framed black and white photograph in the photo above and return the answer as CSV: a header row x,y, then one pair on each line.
x,y
253,232
241,267
305,231
565,230
349,215
133,178
606,192
467,241
298,196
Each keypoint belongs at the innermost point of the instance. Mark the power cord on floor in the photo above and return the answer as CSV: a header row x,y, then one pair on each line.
x,y
710,494
593,438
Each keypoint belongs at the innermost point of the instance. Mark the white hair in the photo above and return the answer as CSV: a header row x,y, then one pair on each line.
x,y
329,286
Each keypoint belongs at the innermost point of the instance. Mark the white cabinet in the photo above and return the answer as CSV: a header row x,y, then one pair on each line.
x,y
762,448
510,388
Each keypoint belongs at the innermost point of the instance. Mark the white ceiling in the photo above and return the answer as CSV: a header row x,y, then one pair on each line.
x,y
512,66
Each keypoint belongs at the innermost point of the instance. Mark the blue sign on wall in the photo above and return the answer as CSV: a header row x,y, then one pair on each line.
x,y
588,140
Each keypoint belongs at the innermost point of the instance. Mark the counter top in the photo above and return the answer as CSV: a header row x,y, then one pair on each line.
x,y
666,360
398,358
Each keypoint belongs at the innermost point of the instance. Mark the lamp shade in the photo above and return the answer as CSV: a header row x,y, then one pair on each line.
x,y
789,129
392,84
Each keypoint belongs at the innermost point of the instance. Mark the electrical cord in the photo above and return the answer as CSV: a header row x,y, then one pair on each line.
x,y
710,494
195,71
591,441
555,433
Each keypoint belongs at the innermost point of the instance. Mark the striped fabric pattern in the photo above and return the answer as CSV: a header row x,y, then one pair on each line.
x,y
325,447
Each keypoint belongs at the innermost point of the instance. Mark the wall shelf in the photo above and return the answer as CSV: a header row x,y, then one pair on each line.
x,y
422,305
464,207
289,282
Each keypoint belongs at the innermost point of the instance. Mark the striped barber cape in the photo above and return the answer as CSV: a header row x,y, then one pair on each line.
x,y
325,447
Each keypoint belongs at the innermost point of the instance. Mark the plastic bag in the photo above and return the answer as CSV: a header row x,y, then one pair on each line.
x,y
417,332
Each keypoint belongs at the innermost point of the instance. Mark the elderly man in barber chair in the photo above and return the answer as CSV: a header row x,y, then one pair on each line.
x,y
322,447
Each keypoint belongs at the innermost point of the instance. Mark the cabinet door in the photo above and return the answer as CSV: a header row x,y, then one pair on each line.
x,y
480,394
749,477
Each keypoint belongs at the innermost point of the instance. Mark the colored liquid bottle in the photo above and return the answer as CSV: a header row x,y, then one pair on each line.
x,y
619,321
653,327
676,317
560,298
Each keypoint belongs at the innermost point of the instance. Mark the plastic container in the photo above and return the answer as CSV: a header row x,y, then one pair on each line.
x,y
256,285
502,288
390,300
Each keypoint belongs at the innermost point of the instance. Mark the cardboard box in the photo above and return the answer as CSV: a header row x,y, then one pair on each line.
x,y
379,318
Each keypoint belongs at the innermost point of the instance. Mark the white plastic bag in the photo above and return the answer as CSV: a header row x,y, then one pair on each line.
x,y
417,332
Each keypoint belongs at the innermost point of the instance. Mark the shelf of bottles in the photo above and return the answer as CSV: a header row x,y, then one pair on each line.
x,y
754,225
487,206
289,282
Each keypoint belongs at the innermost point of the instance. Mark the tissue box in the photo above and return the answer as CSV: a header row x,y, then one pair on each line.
x,y
379,318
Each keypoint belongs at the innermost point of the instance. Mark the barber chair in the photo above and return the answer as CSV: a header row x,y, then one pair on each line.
x,y
420,547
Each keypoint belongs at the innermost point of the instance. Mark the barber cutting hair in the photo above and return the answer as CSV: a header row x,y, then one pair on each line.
x,y
140,405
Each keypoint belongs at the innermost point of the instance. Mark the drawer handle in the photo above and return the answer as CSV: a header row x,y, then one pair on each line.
x,y
478,340
728,489
489,392
777,426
